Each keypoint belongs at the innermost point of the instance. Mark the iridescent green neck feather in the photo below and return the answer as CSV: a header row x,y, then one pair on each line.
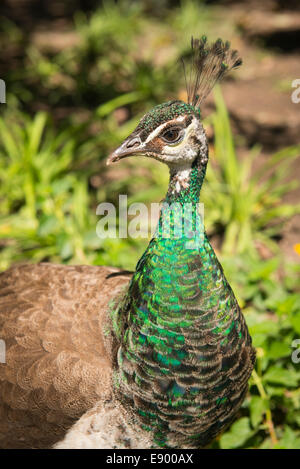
x,y
192,192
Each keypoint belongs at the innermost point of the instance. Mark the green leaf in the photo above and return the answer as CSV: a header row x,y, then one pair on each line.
x,y
265,327
264,269
289,440
258,406
48,225
295,321
276,375
122,100
238,434
278,350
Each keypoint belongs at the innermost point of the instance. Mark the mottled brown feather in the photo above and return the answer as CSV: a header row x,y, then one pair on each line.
x,y
55,322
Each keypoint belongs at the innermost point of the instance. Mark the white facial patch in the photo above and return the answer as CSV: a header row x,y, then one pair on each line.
x,y
159,129
186,150
180,156
182,178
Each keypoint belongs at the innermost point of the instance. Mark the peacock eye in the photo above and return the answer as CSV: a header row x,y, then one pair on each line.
x,y
172,135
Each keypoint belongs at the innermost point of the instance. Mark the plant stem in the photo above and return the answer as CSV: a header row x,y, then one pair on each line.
x,y
263,394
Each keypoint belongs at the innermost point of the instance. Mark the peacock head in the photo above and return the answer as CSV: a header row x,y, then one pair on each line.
x,y
172,132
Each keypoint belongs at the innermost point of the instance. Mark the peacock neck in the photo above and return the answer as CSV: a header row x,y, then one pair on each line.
x,y
171,299
186,182
180,215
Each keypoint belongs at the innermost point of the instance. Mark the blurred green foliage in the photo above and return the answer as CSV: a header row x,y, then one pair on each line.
x,y
53,176
244,203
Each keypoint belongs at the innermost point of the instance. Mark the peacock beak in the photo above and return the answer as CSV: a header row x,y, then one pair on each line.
x,y
130,147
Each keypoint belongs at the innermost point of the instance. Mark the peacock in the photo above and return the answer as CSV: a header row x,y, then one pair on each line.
x,y
97,357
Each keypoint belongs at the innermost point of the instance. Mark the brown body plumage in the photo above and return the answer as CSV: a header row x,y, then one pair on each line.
x,y
55,324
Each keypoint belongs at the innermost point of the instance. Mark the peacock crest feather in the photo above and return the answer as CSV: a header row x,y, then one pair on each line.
x,y
209,64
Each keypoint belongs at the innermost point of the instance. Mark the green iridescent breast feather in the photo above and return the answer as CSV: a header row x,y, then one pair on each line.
x,y
186,352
